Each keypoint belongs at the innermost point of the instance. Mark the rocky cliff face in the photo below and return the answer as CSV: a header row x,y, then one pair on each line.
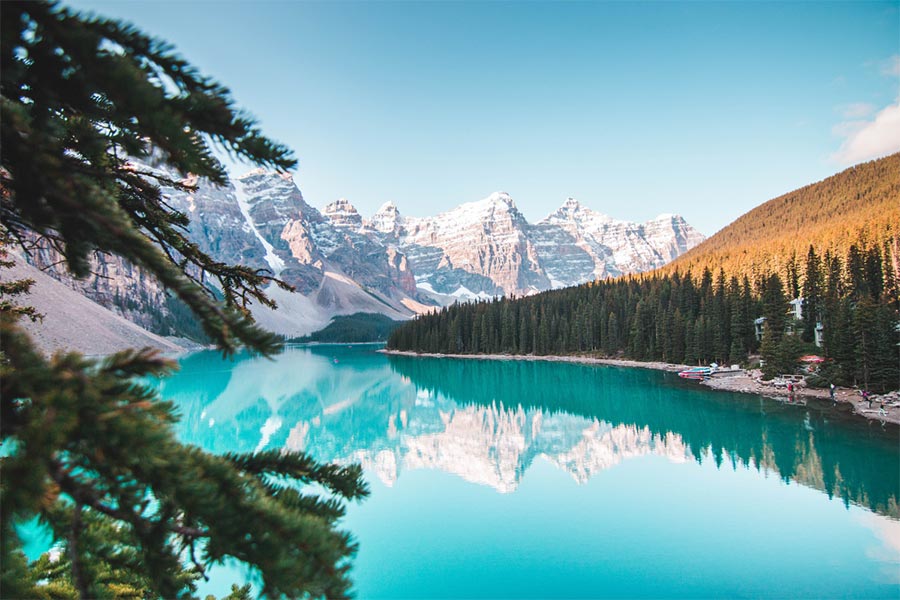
x,y
114,284
576,244
65,312
328,256
478,248
487,248
340,262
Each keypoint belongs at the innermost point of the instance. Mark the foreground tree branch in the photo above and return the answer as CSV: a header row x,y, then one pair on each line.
x,y
90,108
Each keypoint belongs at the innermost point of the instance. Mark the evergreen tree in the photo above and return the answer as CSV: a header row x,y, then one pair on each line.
x,y
885,368
844,348
91,451
721,326
740,321
856,272
775,307
812,295
612,339
864,319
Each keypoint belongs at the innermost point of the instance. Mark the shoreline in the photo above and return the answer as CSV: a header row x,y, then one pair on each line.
x,y
744,383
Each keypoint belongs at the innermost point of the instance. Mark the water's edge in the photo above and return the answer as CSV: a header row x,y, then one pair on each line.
x,y
743,383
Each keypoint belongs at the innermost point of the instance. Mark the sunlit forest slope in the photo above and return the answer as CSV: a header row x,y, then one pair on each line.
x,y
858,206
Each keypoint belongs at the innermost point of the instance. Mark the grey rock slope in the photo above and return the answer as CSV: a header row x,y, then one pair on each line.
x,y
73,321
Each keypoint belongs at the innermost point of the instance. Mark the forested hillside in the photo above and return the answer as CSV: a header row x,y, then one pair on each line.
x,y
858,206
834,244
355,328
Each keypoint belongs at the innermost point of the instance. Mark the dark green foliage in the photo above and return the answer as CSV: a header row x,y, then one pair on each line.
x,y
775,307
84,430
782,358
670,318
11,291
88,449
649,318
107,560
812,295
80,99
237,593
775,355
358,327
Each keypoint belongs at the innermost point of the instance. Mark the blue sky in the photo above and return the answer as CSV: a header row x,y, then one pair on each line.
x,y
636,109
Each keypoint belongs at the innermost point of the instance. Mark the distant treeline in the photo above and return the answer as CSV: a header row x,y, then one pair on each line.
x,y
699,318
358,327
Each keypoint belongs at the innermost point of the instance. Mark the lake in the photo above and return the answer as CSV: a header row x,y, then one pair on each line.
x,y
533,479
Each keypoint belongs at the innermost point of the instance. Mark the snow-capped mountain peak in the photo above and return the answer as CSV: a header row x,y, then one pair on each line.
x,y
342,214
479,208
573,211
340,263
571,204
386,220
502,198
252,173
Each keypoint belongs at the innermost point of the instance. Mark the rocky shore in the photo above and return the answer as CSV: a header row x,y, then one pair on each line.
x,y
748,382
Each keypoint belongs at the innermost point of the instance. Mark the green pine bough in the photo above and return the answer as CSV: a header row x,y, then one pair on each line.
x,y
87,448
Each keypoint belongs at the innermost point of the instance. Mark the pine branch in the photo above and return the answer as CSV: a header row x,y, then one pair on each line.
x,y
346,481
84,495
74,553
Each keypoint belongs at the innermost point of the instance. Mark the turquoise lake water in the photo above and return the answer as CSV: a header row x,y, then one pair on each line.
x,y
535,479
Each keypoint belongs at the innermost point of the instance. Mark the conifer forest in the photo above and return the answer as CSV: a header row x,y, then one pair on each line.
x,y
832,247
698,319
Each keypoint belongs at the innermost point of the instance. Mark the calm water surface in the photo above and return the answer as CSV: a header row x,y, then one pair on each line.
x,y
535,479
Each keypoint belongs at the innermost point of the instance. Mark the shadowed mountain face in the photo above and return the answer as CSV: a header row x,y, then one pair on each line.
x,y
488,422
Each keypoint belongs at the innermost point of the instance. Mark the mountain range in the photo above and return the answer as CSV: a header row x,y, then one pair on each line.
x,y
392,264
826,255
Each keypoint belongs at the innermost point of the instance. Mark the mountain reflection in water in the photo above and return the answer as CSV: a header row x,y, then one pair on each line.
x,y
488,421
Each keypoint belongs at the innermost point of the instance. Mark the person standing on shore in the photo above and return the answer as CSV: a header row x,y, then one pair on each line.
x,y
831,391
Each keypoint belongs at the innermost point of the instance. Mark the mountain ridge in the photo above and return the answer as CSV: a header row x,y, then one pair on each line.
x,y
341,262
440,243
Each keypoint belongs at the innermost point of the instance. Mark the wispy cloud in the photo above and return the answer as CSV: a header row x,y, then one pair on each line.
x,y
891,67
868,139
857,110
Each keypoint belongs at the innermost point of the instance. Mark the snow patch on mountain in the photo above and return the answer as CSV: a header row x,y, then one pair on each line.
x,y
273,260
465,293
